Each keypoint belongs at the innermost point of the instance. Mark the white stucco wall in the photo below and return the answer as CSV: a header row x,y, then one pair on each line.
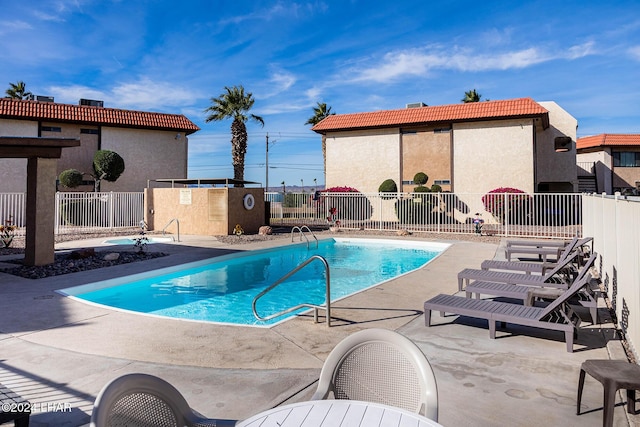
x,y
13,172
550,165
493,154
147,154
363,160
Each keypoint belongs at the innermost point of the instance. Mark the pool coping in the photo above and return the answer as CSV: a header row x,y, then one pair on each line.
x,y
75,291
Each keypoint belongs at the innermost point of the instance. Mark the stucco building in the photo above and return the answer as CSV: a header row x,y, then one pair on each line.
x,y
464,148
611,160
153,145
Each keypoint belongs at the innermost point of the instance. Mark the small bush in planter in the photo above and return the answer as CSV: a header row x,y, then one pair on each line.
x,y
435,188
415,210
388,186
420,178
70,178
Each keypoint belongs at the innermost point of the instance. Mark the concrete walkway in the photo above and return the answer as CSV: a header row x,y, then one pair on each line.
x,y
59,353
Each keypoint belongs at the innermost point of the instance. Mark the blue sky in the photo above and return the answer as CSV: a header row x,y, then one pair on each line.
x,y
354,55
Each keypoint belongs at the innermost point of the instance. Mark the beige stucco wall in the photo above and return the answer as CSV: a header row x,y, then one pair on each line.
x,y
80,158
603,161
492,154
147,154
424,150
363,159
204,211
13,172
553,167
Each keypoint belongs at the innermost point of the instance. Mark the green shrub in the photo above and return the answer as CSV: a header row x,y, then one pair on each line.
x,y
108,165
416,210
420,178
388,186
290,200
435,188
70,178
421,189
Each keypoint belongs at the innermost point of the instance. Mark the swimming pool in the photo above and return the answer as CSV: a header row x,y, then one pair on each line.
x,y
222,289
132,240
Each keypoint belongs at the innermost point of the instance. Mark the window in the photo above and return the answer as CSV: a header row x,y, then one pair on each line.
x,y
626,159
89,131
442,182
442,130
51,129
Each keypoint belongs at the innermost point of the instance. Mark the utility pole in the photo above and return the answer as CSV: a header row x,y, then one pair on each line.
x,y
267,165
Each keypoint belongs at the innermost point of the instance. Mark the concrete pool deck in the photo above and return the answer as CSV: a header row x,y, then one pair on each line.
x,y
59,353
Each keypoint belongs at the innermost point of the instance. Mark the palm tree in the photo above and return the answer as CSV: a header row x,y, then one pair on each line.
x,y
18,91
320,113
235,104
471,96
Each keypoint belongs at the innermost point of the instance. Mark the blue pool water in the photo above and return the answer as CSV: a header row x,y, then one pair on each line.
x,y
132,240
222,289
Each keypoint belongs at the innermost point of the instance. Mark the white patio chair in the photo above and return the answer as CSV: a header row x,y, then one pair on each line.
x,y
381,366
141,400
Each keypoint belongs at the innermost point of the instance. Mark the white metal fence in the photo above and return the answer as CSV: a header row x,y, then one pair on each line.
x,y
537,215
82,212
12,209
614,224
79,212
506,214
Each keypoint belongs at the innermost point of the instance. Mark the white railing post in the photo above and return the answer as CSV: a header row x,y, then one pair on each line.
x,y
56,214
111,210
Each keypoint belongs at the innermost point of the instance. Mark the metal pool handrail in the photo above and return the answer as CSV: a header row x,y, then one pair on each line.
x,y
168,224
301,230
327,306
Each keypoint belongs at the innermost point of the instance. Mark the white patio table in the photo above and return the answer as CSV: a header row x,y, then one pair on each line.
x,y
337,413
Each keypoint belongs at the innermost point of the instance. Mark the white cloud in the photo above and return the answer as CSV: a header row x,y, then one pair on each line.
x,y
14,26
420,62
277,10
313,93
279,81
143,94
146,93
287,107
580,51
43,16
635,52
72,94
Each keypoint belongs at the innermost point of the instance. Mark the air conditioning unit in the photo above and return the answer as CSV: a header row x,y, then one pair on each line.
x,y
40,98
91,102
416,105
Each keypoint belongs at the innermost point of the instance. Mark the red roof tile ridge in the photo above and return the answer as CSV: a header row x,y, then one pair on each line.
x,y
608,139
100,115
469,111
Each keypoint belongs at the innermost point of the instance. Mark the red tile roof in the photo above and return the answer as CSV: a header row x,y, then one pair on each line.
x,y
69,113
473,111
608,139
